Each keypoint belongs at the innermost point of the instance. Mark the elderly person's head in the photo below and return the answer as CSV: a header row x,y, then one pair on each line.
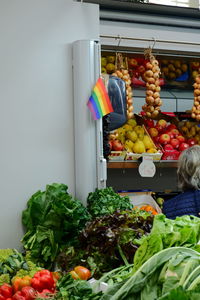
x,y
189,169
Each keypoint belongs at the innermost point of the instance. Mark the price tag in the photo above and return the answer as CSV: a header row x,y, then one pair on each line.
x,y
147,167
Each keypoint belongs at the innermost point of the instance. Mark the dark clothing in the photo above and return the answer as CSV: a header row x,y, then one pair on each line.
x,y
187,203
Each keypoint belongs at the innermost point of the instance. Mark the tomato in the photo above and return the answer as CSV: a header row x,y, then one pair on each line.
x,y
82,272
6,290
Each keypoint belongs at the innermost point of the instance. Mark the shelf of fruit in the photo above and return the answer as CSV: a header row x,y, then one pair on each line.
x,y
163,139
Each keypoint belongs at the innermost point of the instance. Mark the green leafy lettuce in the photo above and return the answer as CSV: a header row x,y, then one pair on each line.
x,y
183,231
52,218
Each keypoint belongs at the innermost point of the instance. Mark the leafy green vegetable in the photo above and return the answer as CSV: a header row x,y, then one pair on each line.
x,y
180,294
107,242
183,231
147,282
5,253
16,265
70,289
52,219
13,263
106,201
4,278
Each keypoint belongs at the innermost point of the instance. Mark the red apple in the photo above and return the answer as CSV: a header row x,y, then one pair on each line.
x,y
180,138
168,147
175,132
162,123
175,143
117,145
191,142
159,128
110,144
183,146
164,138
153,131
170,134
141,69
171,126
132,62
149,123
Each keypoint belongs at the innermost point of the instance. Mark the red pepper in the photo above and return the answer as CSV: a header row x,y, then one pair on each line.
x,y
2,297
18,296
28,292
6,290
43,280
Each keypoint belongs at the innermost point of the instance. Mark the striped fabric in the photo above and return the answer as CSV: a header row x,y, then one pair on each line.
x,y
187,203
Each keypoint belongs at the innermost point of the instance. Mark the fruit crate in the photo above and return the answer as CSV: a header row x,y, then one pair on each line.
x,y
117,156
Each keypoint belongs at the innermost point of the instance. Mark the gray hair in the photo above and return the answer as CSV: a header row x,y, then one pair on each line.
x,y
189,168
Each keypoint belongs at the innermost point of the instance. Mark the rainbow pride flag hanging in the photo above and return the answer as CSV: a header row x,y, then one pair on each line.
x,y
99,102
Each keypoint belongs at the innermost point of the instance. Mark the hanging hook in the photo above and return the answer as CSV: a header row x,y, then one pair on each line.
x,y
154,42
119,40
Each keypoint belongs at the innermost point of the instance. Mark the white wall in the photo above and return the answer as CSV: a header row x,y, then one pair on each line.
x,y
36,100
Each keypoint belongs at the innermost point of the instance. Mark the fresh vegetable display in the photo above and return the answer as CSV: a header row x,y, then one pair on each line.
x,y
108,242
52,219
105,201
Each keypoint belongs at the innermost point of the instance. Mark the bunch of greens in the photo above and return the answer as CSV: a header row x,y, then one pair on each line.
x,y
183,231
106,201
53,218
158,276
70,289
108,242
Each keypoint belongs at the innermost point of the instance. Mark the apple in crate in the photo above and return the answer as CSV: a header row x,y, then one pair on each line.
x,y
117,145
191,142
153,132
181,138
149,123
162,123
175,143
164,138
168,147
170,127
175,132
183,146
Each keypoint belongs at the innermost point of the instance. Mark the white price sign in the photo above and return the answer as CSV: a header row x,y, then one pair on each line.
x,y
147,167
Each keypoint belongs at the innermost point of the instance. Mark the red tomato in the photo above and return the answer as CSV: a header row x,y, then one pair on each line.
x,y
82,272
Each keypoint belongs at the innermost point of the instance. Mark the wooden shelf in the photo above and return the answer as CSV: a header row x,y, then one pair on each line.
x,y
135,164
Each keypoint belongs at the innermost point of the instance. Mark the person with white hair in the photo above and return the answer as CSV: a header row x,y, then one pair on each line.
x,y
188,172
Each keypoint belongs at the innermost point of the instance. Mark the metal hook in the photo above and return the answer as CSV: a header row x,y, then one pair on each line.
x,y
154,42
119,42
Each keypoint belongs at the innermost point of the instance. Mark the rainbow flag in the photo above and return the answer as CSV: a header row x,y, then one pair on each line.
x,y
99,102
